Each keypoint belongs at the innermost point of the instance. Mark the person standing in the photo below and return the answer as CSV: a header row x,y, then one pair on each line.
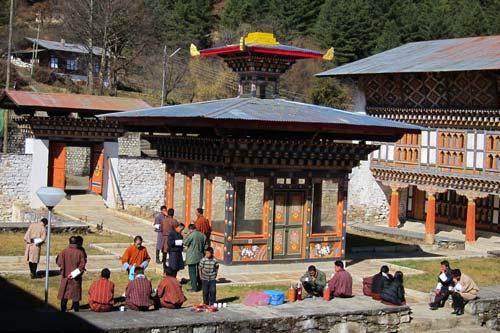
x,y
394,292
159,236
79,242
169,291
167,226
341,283
195,242
175,246
209,268
465,290
34,238
202,224
72,263
138,293
444,286
101,293
313,281
380,281
136,255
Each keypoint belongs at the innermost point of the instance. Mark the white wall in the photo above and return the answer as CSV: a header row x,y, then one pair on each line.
x,y
39,168
111,188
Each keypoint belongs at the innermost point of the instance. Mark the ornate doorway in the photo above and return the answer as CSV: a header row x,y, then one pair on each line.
x,y
57,164
288,224
97,168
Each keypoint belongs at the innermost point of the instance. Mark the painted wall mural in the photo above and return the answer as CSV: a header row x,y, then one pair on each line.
x,y
325,250
250,252
218,250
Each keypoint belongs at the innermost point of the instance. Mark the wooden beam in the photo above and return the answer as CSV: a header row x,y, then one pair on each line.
x,y
208,199
169,190
470,224
430,219
394,210
188,190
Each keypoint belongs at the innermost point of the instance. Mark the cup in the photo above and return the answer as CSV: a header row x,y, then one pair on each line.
x,y
122,308
219,305
224,305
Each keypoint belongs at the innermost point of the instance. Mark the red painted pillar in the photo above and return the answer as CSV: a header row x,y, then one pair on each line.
x,y
394,210
208,199
470,224
169,202
430,219
188,189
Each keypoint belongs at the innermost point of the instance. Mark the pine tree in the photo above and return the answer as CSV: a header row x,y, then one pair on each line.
x,y
294,17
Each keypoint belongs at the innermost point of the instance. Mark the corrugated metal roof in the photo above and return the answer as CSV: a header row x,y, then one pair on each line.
x,y
73,102
67,47
448,55
263,110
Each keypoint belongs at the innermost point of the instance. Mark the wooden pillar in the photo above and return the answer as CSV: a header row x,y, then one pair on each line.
x,y
394,210
169,191
229,222
188,189
430,219
340,208
470,225
208,199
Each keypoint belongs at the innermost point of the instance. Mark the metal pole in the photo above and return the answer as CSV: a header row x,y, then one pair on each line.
x,y
47,263
7,80
35,44
164,75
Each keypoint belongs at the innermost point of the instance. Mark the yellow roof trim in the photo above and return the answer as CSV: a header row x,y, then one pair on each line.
x,y
194,51
264,38
330,54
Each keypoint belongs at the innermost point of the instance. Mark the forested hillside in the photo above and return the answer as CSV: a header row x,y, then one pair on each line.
x,y
137,31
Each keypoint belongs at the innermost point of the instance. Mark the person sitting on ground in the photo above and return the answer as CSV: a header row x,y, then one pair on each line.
x,y
101,293
341,283
169,291
465,290
313,281
138,293
175,246
394,292
380,280
444,286
136,255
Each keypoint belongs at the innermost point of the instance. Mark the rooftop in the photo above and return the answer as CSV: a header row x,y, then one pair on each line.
x,y
61,103
276,115
447,55
65,46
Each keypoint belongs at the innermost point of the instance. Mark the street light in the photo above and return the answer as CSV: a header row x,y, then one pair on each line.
x,y
50,197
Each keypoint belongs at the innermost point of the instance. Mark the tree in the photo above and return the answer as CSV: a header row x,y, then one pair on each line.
x,y
347,25
388,38
329,92
294,18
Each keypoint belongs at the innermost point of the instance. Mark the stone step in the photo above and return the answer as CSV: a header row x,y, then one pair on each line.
x,y
149,152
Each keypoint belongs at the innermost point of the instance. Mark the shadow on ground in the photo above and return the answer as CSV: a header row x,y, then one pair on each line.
x,y
23,312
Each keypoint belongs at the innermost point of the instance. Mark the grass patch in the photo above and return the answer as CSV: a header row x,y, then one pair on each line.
x,y
483,271
28,294
14,245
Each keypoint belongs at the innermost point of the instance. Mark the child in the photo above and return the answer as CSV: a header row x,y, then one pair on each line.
x,y
208,272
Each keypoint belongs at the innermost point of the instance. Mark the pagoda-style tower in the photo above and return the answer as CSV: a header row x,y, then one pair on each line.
x,y
271,174
260,60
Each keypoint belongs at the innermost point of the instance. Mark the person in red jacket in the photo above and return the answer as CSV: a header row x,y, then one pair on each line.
x,y
341,283
101,293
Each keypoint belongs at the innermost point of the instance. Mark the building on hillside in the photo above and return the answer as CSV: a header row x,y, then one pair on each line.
x,y
271,174
56,140
60,57
449,173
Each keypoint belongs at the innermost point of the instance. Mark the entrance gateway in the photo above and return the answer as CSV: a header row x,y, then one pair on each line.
x,y
272,174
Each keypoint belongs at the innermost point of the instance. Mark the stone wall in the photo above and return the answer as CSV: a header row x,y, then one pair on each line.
x,y
15,144
142,182
486,309
368,201
14,183
130,144
78,161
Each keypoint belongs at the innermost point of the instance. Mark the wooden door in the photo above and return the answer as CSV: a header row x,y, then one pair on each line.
x,y
288,224
57,164
418,204
97,168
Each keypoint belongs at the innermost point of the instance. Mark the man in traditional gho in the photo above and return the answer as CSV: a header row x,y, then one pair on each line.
x,y
101,293
169,291
34,238
72,263
159,235
202,224
168,225
136,255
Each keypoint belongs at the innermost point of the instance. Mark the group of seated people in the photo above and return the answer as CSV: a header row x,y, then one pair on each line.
x,y
340,284
139,294
453,282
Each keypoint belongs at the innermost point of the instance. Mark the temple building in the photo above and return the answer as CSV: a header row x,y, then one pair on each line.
x,y
271,174
450,173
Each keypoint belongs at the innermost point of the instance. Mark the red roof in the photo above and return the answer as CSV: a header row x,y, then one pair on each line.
x,y
89,104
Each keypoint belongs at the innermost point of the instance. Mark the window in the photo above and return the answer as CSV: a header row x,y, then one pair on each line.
x,y
493,152
451,149
325,207
71,64
408,149
53,63
249,207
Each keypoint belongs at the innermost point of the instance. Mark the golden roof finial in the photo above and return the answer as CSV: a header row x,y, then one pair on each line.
x,y
330,54
194,51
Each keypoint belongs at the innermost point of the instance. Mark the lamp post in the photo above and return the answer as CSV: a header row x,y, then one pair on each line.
x,y
50,197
